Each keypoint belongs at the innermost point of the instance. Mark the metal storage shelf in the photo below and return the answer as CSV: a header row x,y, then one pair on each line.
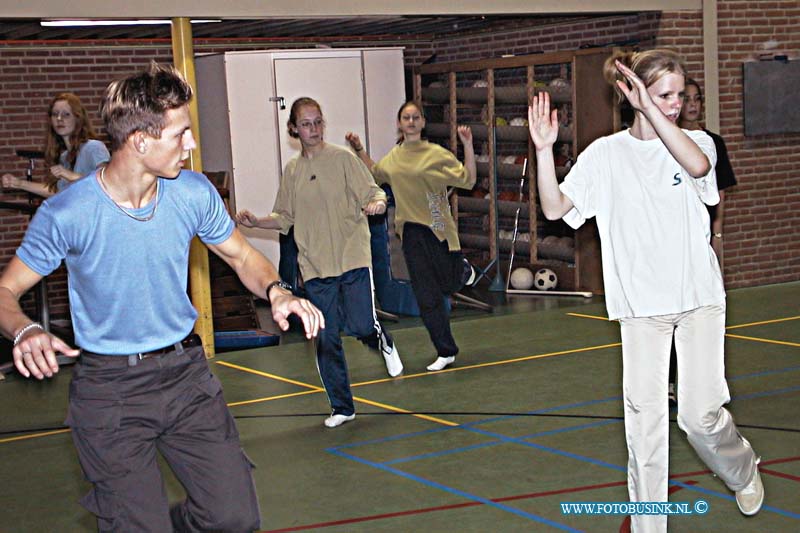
x,y
480,132
585,99
502,95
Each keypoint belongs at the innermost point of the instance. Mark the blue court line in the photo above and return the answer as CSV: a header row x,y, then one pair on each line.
x,y
732,498
455,491
469,426
542,411
519,440
571,406
400,436
478,422
765,373
766,393
496,442
597,462
571,428
430,455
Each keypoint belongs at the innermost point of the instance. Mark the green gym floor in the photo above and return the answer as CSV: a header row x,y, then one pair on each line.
x,y
527,419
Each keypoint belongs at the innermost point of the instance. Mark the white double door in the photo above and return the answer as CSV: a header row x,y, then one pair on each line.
x,y
335,82
244,128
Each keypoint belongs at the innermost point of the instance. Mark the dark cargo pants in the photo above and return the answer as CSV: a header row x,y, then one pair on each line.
x,y
121,414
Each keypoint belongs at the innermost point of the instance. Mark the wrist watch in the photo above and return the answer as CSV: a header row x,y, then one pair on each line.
x,y
280,283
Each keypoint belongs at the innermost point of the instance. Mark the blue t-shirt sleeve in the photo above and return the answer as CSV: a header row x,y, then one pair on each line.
x,y
92,153
43,247
216,225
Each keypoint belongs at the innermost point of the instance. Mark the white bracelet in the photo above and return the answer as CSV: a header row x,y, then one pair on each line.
x,y
25,329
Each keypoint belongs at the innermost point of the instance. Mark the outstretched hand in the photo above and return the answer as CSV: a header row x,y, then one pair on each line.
x,y
285,304
636,92
542,122
35,354
246,218
9,181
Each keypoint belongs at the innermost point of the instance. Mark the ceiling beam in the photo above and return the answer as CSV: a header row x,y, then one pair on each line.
x,y
330,8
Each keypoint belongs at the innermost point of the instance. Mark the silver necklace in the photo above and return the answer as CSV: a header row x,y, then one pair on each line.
x,y
134,217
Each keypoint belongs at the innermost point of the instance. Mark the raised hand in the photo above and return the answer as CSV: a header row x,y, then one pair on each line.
x,y
635,90
464,134
542,123
354,140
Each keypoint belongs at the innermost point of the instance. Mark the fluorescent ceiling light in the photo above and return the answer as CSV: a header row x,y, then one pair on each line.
x,y
126,22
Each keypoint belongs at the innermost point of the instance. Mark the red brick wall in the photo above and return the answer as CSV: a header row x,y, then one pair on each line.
x,y
564,36
762,222
30,75
762,234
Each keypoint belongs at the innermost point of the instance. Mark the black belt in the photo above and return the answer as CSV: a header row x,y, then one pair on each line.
x,y
190,341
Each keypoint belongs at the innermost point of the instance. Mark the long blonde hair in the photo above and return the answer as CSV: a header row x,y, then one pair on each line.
x,y
649,66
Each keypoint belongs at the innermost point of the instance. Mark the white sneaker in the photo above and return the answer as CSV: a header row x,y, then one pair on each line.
x,y
441,363
750,498
337,420
392,357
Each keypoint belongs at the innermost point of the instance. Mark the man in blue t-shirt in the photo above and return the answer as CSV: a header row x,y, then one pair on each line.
x,y
142,382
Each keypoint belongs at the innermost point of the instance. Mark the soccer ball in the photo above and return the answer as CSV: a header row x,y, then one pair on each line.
x,y
521,278
545,280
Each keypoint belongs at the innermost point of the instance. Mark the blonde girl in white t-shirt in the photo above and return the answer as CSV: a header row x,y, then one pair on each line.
x,y
647,187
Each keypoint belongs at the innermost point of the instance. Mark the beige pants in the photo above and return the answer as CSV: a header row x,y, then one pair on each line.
x,y
702,391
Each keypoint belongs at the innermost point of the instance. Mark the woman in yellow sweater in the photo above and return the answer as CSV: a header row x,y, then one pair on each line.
x,y
419,173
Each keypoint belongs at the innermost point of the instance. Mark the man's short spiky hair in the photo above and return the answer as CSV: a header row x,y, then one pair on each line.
x,y
140,102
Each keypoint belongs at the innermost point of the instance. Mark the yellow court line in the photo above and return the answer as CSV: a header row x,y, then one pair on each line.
x,y
590,316
517,359
761,323
315,389
770,341
266,374
34,436
404,411
764,322
279,397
